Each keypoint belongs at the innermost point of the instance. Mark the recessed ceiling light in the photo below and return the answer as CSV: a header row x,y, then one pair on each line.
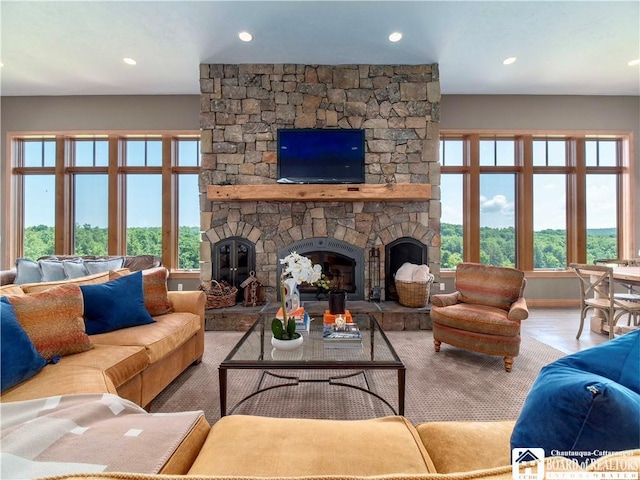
x,y
129,61
395,37
245,36
635,62
509,60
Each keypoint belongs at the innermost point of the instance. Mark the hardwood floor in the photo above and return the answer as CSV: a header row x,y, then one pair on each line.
x,y
557,327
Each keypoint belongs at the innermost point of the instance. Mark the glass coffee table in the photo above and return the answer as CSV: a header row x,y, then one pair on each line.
x,y
254,352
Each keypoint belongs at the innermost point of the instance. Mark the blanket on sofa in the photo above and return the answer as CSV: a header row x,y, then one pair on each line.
x,y
86,433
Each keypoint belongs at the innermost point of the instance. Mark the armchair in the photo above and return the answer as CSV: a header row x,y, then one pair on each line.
x,y
484,313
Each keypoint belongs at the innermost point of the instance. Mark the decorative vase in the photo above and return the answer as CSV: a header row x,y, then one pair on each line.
x,y
337,301
291,296
286,345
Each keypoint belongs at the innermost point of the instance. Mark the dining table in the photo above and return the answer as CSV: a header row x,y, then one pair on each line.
x,y
627,277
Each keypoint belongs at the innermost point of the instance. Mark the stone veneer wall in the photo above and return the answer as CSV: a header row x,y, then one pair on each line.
x,y
243,106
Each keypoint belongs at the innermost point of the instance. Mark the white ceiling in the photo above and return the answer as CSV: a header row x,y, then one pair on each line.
x,y
76,48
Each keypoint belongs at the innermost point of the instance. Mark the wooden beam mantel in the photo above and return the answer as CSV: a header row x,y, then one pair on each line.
x,y
320,193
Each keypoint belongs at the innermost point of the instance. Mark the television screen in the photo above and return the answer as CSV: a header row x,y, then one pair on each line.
x,y
320,156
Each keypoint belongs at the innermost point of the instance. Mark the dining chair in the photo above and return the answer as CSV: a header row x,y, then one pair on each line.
x,y
633,292
597,293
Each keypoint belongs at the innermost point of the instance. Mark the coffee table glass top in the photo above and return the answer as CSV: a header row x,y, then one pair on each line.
x,y
255,347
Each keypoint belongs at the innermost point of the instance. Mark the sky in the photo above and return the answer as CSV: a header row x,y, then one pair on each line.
x,y
144,196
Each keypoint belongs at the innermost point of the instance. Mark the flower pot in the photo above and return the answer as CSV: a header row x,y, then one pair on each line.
x,y
337,301
284,345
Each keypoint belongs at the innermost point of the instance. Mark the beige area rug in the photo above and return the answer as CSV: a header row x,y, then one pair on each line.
x,y
453,384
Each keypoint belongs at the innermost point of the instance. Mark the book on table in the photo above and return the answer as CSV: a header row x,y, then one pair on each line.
x,y
301,318
347,337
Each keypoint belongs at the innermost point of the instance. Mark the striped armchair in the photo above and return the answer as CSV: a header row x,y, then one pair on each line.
x,y
484,313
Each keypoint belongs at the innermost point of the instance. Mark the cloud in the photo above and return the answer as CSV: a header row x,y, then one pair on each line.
x,y
497,204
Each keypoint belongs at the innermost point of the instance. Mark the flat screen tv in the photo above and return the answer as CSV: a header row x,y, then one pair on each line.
x,y
320,155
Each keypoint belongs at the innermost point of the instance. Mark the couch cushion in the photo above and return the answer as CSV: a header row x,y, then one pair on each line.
x,y
488,285
87,280
466,446
154,286
98,266
27,271
60,379
9,290
53,320
52,270
320,447
476,318
160,338
119,362
579,414
114,305
19,358
74,268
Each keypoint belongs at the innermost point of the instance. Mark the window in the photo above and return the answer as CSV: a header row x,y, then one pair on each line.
x,y
118,195
532,201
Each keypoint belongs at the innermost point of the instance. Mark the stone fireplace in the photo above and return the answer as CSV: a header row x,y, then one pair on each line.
x,y
243,106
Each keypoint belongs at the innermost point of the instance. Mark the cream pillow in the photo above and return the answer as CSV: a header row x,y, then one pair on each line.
x,y
421,273
405,272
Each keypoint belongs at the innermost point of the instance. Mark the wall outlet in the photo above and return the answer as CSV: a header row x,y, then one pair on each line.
x,y
442,287
179,287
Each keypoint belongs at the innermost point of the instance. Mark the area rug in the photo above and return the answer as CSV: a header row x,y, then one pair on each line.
x,y
453,384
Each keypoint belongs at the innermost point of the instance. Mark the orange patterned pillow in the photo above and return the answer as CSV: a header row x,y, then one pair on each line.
x,y
154,286
53,320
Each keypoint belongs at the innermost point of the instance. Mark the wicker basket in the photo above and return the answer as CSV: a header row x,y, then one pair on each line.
x,y
219,294
414,294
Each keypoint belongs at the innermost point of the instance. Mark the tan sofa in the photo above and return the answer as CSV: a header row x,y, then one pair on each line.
x,y
251,447
136,363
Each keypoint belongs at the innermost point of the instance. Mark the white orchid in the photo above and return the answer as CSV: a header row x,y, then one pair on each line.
x,y
300,268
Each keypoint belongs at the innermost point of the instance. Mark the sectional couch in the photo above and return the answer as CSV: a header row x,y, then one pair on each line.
x,y
136,363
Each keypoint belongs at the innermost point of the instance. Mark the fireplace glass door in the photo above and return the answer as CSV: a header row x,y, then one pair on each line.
x,y
234,259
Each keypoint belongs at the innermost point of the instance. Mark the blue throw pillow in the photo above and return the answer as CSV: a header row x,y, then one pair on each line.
x,y
578,409
19,358
115,304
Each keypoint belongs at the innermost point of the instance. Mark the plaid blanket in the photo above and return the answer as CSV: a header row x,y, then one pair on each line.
x,y
85,434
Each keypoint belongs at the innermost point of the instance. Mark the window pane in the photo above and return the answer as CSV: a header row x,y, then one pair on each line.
x,y
505,152
487,152
39,153
601,153
39,215
144,153
451,222
451,152
549,221
189,153
144,215
188,222
549,153
90,214
602,227
90,153
607,153
497,220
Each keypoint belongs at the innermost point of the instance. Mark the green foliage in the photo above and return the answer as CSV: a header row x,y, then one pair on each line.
x,y
90,240
497,246
279,332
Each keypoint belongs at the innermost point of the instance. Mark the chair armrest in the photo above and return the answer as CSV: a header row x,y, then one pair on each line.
x,y
191,301
445,299
518,310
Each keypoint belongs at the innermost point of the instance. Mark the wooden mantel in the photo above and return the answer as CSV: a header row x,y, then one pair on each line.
x,y
320,193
